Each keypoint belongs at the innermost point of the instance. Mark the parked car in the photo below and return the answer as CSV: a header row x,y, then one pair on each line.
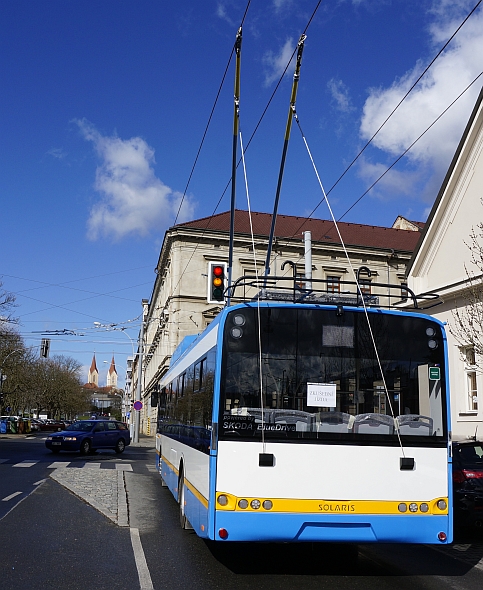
x,y
468,483
35,424
88,435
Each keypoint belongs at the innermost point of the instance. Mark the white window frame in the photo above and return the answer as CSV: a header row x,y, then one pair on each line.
x,y
471,379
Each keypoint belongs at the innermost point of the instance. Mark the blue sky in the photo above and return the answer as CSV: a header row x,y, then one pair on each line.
x,y
104,104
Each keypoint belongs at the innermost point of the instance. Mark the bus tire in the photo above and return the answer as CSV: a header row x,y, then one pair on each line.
x,y
184,522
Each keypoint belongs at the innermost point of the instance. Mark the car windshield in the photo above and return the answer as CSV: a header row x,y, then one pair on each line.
x,y
470,454
82,426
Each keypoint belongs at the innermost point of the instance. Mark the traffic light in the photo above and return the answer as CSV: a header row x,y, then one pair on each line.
x,y
216,281
44,348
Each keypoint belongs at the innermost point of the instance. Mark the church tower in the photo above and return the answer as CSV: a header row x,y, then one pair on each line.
x,y
93,374
112,375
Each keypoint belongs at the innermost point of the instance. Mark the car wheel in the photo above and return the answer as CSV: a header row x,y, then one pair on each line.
x,y
120,446
85,447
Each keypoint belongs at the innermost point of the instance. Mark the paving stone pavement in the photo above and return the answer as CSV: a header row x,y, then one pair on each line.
x,y
104,489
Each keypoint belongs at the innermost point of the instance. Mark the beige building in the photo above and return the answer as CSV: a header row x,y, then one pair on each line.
x,y
442,263
182,301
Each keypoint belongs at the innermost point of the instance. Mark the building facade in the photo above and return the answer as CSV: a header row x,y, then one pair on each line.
x,y
182,301
443,263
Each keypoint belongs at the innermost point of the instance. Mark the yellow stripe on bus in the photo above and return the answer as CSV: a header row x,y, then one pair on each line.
x,y
198,495
321,506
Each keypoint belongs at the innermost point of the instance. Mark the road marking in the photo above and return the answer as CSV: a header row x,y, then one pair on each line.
x,y
91,466
152,468
25,464
37,483
58,464
3,460
143,572
123,467
11,496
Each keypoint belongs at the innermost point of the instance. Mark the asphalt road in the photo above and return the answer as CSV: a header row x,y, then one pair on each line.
x,y
49,538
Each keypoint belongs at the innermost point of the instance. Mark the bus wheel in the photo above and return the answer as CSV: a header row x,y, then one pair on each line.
x,y
184,522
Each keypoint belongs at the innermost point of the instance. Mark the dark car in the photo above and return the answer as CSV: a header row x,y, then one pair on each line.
x,y
468,483
88,435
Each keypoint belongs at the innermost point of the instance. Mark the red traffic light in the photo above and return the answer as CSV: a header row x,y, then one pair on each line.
x,y
218,271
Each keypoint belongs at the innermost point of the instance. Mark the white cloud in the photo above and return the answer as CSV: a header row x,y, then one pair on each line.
x,y
340,95
403,183
446,79
57,153
275,64
133,200
222,13
281,4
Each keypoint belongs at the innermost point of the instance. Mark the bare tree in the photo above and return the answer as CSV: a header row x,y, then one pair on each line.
x,y
7,304
467,327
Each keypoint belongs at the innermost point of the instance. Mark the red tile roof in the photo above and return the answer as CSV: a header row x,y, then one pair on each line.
x,y
324,231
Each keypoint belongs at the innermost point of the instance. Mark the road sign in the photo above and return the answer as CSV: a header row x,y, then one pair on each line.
x,y
434,373
138,405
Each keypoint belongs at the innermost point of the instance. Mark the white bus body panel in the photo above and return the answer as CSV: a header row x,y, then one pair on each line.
x,y
339,472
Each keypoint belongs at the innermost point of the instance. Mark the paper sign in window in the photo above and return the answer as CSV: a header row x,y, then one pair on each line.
x,y
322,395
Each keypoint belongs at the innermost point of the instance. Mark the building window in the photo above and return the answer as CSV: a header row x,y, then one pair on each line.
x,y
333,284
300,280
365,286
471,384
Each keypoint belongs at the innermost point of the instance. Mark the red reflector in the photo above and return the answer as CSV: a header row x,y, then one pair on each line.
x,y
442,536
223,534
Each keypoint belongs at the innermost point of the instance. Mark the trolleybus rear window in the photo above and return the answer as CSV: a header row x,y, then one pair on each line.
x,y
317,377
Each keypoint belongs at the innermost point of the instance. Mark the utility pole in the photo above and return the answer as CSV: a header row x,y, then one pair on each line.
x,y
137,415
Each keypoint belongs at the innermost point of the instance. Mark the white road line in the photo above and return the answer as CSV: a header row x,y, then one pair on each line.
x,y
91,466
11,496
140,559
37,483
123,467
25,464
3,460
58,464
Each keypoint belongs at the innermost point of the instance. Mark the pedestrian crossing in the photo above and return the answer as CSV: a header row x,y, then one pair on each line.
x,y
72,465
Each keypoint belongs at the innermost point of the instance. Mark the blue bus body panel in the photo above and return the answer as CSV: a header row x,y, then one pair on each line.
x,y
263,527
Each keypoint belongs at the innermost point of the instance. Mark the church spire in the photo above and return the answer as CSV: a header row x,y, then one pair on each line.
x,y
93,375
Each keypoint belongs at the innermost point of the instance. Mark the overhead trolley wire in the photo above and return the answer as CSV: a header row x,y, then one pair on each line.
x,y
385,121
389,167
233,49
250,138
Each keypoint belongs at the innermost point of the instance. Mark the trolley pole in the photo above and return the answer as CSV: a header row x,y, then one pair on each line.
x,y
293,97
236,115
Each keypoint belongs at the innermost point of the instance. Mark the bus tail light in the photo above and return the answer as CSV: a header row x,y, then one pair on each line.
x,y
223,534
222,500
442,536
441,504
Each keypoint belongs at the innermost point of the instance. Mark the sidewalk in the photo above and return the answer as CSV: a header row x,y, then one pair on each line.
x,y
103,489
